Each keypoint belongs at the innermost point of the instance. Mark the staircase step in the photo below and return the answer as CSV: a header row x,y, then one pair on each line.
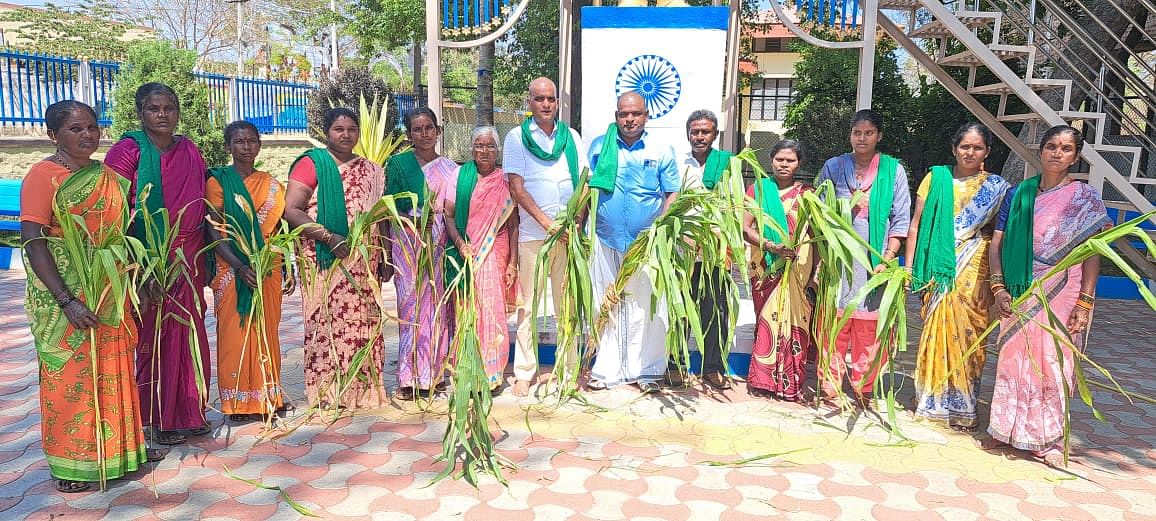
x,y
1068,115
972,19
1003,52
1036,84
900,5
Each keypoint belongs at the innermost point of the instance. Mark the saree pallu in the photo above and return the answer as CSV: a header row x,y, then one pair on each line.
x,y
947,374
173,361
423,314
342,314
490,208
782,336
1027,405
83,372
249,362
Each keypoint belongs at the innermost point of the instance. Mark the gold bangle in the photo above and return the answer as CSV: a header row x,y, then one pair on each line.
x,y
1084,304
1084,297
997,278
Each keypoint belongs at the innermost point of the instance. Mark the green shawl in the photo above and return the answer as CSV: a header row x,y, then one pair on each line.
x,y
331,213
767,195
879,209
1019,237
403,174
716,163
148,175
244,222
467,180
606,171
563,144
935,249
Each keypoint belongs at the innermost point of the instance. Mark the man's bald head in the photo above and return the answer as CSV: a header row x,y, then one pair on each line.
x,y
630,117
543,102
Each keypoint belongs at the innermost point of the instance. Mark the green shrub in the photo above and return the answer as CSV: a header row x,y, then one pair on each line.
x,y
161,62
346,90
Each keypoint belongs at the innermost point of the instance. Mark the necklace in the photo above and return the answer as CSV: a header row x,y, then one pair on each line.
x,y
1062,182
56,158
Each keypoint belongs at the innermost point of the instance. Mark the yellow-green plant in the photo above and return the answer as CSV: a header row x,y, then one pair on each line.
x,y
377,141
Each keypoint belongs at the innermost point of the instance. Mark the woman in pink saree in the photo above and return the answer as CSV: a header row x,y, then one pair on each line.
x,y
1041,221
168,173
486,228
423,317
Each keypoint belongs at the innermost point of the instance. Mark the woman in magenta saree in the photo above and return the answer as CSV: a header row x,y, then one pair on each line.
x,y
1041,221
172,361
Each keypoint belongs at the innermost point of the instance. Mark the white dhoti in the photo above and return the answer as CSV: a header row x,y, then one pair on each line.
x,y
632,347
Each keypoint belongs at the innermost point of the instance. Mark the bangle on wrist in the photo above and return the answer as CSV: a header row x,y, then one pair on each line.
x,y
1084,297
1084,304
997,278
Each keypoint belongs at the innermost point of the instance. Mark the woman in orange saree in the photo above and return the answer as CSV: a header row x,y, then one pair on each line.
x,y
486,227
248,349
81,339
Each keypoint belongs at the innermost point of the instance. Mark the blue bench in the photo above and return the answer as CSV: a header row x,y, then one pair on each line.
x,y
9,207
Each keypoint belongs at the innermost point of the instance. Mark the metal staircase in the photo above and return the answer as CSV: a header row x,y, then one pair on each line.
x,y
1016,42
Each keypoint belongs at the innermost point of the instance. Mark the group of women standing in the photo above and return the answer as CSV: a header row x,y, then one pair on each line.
x,y
117,367
973,245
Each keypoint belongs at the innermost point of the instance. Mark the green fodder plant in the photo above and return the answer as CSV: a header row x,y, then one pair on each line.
x,y
165,266
570,240
377,141
277,248
1035,298
468,429
107,271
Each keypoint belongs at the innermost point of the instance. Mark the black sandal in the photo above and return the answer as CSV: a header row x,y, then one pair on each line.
x,y
203,430
240,418
169,437
71,487
155,455
405,393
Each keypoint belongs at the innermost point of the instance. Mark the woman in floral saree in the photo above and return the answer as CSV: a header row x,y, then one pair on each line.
x,y
248,204
948,245
782,341
423,328
1040,222
328,188
79,339
486,228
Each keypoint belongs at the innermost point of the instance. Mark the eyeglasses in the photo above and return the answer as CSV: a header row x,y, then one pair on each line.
x,y
486,148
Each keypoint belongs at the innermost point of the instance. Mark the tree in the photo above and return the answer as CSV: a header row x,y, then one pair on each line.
x,y
825,88
85,30
206,27
346,90
530,50
160,61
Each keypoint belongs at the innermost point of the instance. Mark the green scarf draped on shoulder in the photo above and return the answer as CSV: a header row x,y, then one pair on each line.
x,y
403,174
935,248
242,218
455,263
148,181
880,202
331,212
767,195
1019,237
717,162
563,145
606,171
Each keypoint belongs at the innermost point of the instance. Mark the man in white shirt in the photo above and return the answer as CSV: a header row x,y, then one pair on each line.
x,y
703,167
544,159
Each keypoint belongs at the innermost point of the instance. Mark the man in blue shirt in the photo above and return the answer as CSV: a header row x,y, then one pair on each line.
x,y
636,185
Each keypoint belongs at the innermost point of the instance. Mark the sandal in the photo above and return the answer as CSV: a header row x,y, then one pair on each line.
x,y
155,455
972,429
405,393
169,437
71,487
240,418
203,430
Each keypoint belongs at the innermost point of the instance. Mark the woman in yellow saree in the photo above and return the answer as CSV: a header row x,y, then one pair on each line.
x,y
947,250
250,204
90,433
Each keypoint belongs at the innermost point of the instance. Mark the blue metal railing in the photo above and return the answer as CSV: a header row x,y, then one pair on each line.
x,y
32,82
273,106
102,75
832,13
458,14
29,83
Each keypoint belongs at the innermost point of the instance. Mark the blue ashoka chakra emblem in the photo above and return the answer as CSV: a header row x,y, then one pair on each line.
x,y
655,78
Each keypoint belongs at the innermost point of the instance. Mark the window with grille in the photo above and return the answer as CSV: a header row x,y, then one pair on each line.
x,y
769,98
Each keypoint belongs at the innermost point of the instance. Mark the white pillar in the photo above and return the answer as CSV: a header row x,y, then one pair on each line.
x,y
433,59
867,54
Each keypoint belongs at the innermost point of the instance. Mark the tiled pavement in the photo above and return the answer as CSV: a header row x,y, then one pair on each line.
x,y
677,456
